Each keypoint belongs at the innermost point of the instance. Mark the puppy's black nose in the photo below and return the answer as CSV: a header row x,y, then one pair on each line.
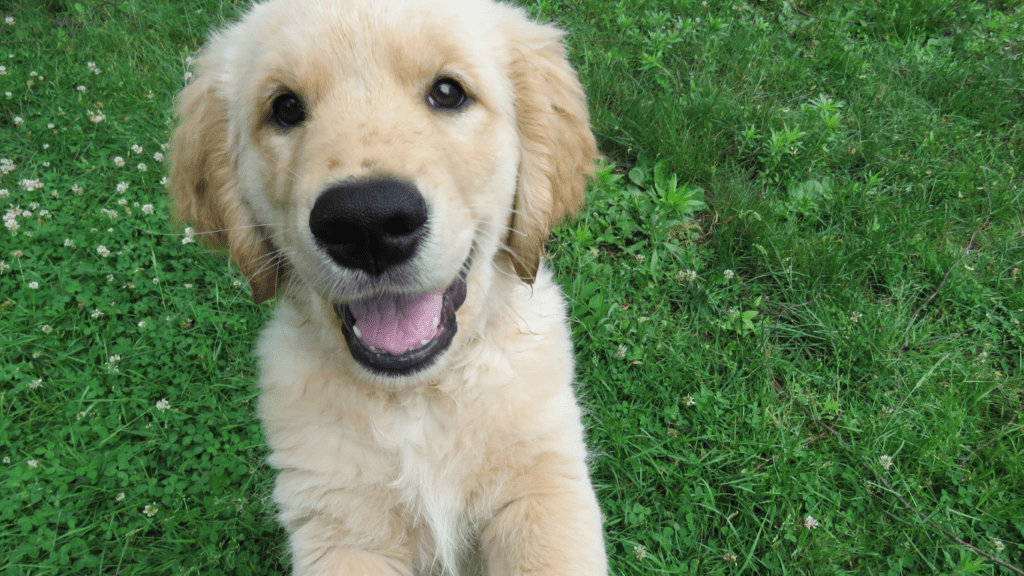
x,y
371,225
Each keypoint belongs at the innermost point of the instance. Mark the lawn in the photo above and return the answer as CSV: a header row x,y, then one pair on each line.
x,y
796,293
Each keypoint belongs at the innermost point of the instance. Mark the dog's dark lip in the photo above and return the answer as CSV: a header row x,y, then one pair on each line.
x,y
417,359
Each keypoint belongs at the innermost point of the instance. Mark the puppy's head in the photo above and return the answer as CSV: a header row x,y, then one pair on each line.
x,y
386,159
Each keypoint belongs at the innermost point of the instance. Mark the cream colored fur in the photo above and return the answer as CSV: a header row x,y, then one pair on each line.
x,y
477,463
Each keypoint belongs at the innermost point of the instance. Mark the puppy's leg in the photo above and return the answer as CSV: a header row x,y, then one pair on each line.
x,y
552,527
316,552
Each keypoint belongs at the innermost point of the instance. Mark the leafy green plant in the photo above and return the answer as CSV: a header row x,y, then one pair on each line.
x,y
804,198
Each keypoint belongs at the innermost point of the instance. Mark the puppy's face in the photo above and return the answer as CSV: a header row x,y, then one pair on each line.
x,y
386,158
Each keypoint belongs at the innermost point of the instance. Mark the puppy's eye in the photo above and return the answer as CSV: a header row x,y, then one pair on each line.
x,y
446,94
287,110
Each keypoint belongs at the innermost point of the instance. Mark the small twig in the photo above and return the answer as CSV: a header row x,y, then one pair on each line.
x,y
948,534
788,308
968,458
797,9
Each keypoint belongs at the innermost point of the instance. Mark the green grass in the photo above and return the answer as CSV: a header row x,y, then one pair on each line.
x,y
804,254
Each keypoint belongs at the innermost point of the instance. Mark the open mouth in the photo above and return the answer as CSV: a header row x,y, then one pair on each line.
x,y
401,334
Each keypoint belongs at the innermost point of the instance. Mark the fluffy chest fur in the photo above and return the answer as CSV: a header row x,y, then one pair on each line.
x,y
439,457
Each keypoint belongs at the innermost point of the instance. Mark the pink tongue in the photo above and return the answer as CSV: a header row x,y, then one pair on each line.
x,y
398,323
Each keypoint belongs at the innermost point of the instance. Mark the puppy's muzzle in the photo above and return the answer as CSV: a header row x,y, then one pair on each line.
x,y
370,225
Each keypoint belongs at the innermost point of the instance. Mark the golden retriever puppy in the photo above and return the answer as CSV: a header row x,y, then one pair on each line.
x,y
390,170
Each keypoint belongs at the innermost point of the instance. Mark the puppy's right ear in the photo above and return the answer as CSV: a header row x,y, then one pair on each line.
x,y
204,185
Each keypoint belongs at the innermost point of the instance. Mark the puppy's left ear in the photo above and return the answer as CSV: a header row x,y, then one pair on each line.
x,y
558,147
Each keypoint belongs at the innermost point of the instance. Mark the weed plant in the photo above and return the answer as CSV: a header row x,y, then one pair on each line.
x,y
796,293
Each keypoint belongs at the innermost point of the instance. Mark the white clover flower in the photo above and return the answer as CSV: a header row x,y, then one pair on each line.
x,y
103,251
122,187
810,523
150,510
142,324
886,461
141,167
96,118
120,497
118,161
136,149
640,551
163,405
621,351
189,236
96,313
33,463
46,328
730,557
77,189
147,208
687,275
689,401
640,258
80,415
81,89
856,317
159,157
156,280
30,185
18,121
33,285
998,544
188,286
35,383
728,274
7,459
4,266
93,68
